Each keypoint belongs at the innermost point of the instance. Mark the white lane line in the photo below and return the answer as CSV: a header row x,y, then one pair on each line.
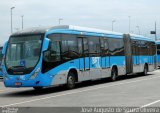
x,y
147,105
72,92
150,104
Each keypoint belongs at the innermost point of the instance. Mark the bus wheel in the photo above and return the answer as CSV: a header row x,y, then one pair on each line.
x,y
145,70
37,88
113,74
71,81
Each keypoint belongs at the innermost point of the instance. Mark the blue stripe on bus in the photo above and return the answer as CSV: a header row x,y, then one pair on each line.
x,y
143,59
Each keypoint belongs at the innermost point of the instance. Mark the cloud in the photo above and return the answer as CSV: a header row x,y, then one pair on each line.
x,y
90,13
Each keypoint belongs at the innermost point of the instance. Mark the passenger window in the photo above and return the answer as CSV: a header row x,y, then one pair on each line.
x,y
94,46
69,47
104,47
53,54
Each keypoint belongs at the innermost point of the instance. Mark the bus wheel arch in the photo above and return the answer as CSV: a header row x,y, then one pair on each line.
x,y
72,78
114,73
145,70
74,71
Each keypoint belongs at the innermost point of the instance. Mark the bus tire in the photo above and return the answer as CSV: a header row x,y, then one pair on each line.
x,y
145,70
71,81
37,88
113,74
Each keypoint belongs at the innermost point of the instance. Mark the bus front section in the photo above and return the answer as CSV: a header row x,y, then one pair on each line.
x,y
22,61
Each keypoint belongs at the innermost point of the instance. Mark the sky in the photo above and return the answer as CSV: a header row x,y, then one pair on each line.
x,y
87,13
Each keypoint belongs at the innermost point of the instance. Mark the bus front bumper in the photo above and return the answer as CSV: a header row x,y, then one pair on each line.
x,y
37,82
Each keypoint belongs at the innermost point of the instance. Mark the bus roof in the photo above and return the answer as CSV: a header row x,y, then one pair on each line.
x,y
34,30
42,30
140,37
39,30
86,29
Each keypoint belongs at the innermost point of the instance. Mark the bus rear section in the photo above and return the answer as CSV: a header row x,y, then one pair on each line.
x,y
140,53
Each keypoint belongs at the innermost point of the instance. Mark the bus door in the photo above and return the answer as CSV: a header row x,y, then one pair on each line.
x,y
84,61
155,56
135,57
104,53
128,53
137,66
138,53
151,54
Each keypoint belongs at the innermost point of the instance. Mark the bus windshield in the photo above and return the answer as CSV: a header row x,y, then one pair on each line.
x,y
23,52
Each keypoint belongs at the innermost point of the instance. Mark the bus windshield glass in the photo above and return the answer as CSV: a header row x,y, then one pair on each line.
x,y
23,51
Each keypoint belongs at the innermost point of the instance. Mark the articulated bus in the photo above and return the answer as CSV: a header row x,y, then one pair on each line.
x,y
43,57
1,57
158,53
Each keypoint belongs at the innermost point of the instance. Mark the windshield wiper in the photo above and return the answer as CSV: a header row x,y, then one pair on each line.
x,y
18,66
15,67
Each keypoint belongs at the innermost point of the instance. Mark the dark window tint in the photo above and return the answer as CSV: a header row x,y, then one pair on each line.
x,y
94,46
53,54
116,47
69,47
134,48
158,49
85,47
143,48
104,47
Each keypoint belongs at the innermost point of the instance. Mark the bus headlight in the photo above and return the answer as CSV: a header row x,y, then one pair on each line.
x,y
35,73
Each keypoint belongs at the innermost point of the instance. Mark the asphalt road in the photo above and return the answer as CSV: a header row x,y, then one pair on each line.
x,y
128,91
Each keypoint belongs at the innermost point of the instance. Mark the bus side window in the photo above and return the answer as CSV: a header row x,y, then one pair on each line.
x,y
94,46
53,54
80,46
55,51
69,47
116,47
104,47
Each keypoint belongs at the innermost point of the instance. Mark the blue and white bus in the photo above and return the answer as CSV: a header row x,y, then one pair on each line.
x,y
69,54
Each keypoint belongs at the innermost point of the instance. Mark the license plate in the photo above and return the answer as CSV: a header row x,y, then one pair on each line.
x,y
18,83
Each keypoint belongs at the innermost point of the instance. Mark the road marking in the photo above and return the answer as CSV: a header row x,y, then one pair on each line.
x,y
74,92
147,105
150,104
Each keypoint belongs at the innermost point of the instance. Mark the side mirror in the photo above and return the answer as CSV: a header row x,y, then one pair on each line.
x,y
4,48
45,44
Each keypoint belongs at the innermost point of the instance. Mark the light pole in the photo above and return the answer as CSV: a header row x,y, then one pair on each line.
x,y
155,31
113,23
138,29
22,21
60,19
129,24
11,19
